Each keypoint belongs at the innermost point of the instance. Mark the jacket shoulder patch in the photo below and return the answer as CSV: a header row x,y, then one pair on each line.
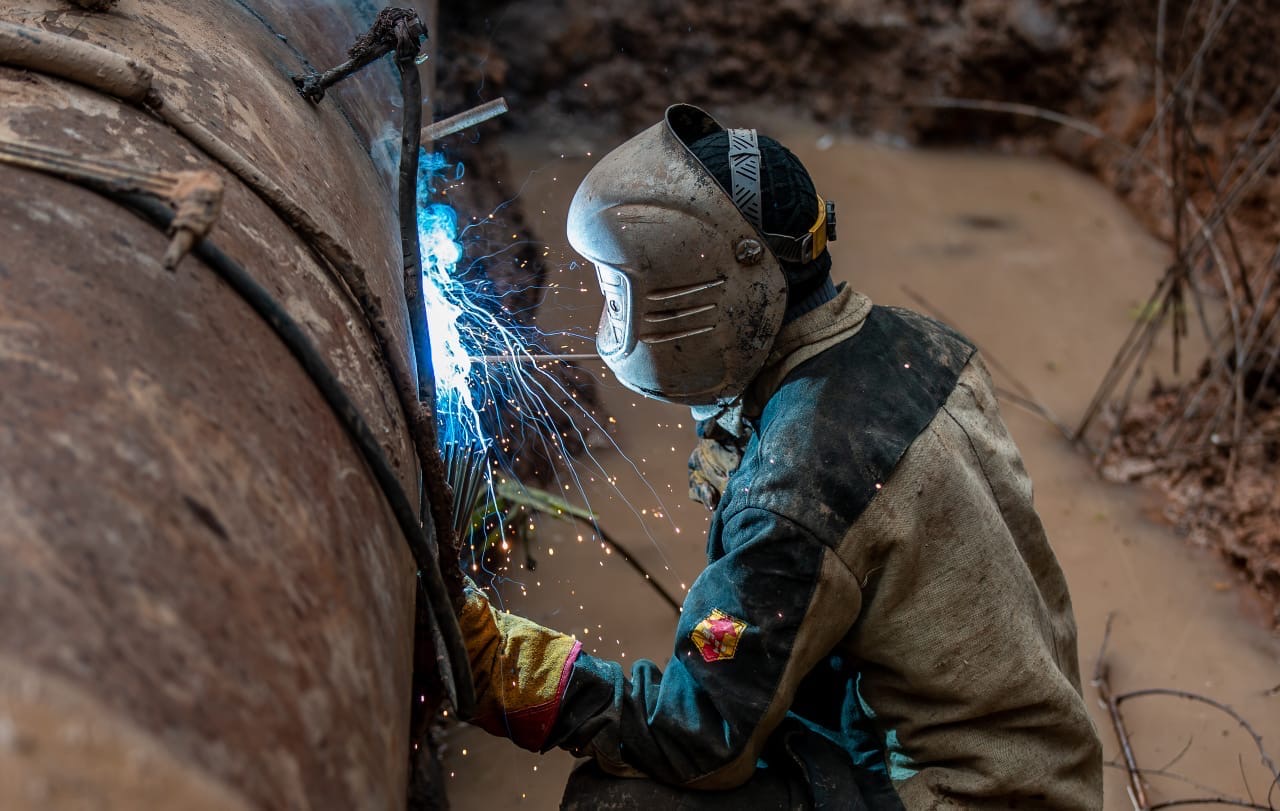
x,y
717,636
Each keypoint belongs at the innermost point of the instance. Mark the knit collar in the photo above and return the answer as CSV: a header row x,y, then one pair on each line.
x,y
811,302
808,335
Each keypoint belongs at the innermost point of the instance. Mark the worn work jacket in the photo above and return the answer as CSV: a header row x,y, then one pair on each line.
x,y
876,569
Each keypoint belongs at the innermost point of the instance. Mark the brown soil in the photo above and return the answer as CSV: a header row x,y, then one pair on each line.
x,y
1219,499
586,72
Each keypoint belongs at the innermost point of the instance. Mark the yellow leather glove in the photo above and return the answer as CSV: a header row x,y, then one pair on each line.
x,y
520,670
715,457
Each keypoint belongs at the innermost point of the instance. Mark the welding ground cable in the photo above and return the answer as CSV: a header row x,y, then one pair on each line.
x,y
408,33
300,346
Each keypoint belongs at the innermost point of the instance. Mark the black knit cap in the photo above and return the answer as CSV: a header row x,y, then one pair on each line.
x,y
789,202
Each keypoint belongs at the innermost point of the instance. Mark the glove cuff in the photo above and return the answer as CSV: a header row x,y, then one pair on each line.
x,y
529,727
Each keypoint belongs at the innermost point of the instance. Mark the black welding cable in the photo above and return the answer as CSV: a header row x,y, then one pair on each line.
x,y
293,336
420,349
441,505
410,244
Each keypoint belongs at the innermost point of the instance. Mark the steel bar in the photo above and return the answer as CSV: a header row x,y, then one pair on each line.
x,y
469,118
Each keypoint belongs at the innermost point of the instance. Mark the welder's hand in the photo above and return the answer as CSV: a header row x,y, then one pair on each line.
x,y
715,457
520,669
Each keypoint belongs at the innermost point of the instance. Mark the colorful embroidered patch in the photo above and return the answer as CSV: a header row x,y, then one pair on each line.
x,y
717,636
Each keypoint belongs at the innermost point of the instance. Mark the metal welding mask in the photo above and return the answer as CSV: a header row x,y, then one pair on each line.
x,y
693,294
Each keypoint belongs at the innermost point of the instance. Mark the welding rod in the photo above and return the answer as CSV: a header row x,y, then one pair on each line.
x,y
469,118
533,358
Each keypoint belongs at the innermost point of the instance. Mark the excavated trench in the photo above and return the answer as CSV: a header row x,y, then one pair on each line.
x,y
1047,270
1090,81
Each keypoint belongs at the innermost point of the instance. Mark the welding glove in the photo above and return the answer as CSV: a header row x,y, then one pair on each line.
x,y
715,457
520,670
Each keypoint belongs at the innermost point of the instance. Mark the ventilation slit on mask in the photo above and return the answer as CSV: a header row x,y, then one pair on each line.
x,y
677,292
662,339
671,315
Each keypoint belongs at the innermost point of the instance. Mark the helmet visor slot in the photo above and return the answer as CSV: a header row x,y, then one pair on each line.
x,y
662,316
663,338
687,290
615,334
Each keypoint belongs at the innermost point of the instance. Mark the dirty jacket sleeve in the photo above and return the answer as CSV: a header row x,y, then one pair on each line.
x,y
782,599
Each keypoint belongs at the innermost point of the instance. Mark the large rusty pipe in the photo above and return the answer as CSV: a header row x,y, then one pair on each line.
x,y
205,601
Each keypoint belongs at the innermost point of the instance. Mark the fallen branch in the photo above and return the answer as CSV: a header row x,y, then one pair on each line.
x,y
1218,705
1136,783
1101,682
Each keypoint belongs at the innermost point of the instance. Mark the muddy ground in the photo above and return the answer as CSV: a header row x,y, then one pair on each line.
x,y
584,73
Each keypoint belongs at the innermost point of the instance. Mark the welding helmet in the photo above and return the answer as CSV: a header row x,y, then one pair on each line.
x,y
694,287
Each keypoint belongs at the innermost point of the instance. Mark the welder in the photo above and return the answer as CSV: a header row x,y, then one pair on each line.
x,y
881,622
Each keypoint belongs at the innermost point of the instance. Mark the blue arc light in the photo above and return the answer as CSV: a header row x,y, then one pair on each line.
x,y
491,415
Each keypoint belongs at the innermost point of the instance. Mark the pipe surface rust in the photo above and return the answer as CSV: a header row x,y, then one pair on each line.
x,y
205,601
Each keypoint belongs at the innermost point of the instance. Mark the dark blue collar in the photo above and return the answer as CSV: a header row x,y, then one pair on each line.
x,y
810,302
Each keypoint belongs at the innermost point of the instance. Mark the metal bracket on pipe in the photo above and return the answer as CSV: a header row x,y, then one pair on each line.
x,y
391,27
195,196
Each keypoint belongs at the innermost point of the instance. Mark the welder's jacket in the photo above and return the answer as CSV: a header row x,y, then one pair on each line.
x,y
876,570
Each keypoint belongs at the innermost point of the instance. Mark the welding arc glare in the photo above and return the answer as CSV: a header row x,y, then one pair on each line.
x,y
490,415
487,414
447,304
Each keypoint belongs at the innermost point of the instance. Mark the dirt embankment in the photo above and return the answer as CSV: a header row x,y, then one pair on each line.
x,y
896,67
911,69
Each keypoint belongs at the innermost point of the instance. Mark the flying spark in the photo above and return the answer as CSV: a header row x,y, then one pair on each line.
x,y
492,415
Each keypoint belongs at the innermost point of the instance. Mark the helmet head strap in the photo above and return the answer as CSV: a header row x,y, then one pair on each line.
x,y
745,173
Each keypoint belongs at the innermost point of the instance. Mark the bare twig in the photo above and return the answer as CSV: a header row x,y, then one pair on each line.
x,y
1101,682
1181,778
1128,351
1244,777
631,561
1034,409
1218,705
1210,35
1190,740
1136,785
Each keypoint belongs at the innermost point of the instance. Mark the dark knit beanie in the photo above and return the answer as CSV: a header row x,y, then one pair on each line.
x,y
788,199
